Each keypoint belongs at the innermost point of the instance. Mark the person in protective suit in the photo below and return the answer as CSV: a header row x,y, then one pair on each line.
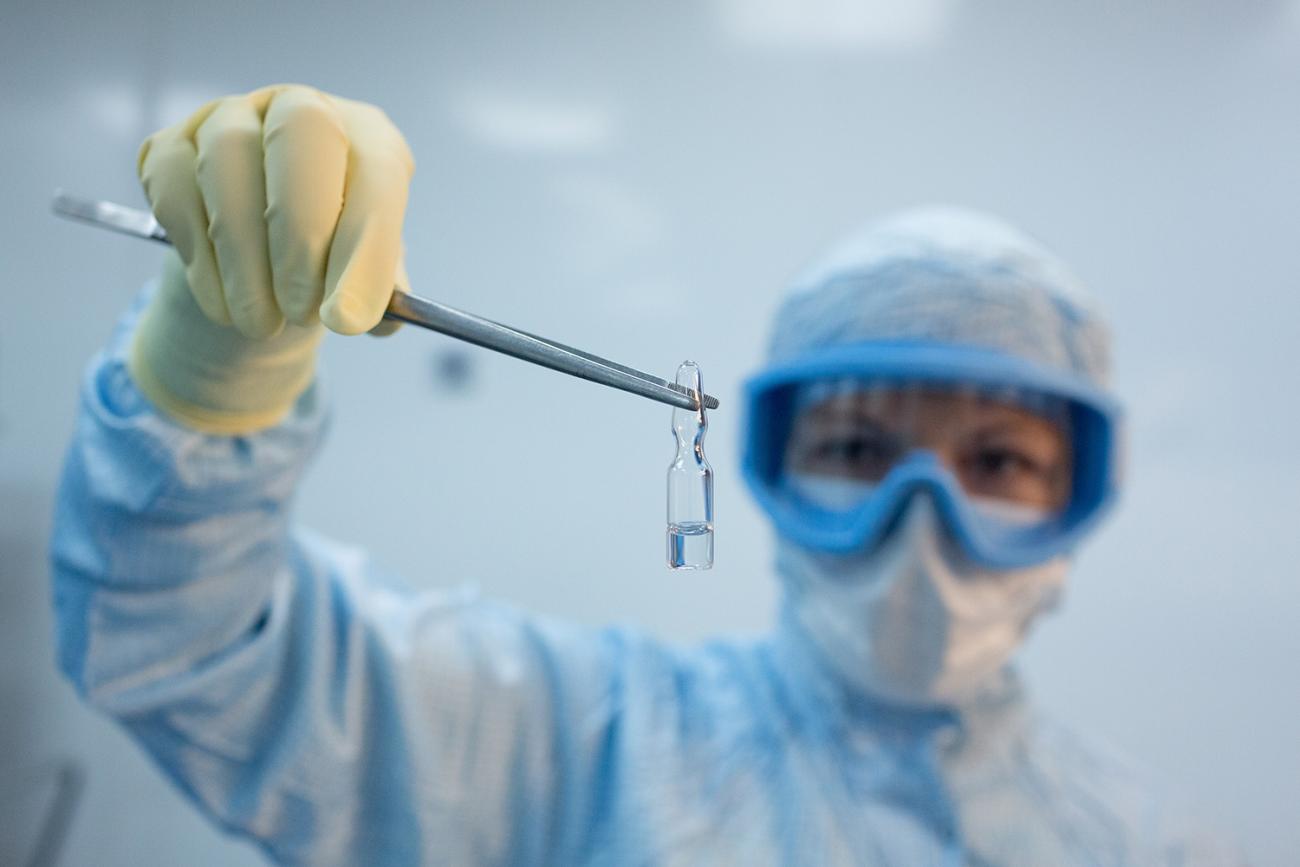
x,y
931,435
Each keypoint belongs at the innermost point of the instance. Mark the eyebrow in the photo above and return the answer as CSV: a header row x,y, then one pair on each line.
x,y
1037,438
1013,425
856,409
1007,419
840,421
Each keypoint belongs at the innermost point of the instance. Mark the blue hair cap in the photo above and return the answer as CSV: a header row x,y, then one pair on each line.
x,y
951,276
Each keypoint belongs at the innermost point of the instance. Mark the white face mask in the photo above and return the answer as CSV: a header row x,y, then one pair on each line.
x,y
912,621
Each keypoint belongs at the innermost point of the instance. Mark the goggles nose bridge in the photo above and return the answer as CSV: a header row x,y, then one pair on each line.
x,y
921,473
920,470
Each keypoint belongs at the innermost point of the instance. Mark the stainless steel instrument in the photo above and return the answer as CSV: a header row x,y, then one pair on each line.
x,y
435,317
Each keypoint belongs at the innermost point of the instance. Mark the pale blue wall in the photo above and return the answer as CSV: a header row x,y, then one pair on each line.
x,y
639,182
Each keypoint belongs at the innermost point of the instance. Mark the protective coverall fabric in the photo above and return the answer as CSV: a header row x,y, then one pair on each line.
x,y
302,698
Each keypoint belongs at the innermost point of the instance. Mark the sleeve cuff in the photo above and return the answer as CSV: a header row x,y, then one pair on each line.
x,y
144,456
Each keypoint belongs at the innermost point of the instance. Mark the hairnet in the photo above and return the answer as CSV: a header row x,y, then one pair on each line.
x,y
951,276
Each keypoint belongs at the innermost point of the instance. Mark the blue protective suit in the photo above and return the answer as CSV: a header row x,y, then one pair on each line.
x,y
302,698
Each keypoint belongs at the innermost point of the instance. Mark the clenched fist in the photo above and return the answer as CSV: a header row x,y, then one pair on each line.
x,y
285,207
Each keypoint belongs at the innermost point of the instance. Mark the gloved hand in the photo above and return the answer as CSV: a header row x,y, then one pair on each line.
x,y
285,208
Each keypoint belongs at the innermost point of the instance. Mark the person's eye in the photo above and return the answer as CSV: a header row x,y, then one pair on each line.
x,y
1006,463
854,450
1009,473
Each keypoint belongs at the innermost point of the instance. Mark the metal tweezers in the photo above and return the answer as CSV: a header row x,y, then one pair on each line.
x,y
435,317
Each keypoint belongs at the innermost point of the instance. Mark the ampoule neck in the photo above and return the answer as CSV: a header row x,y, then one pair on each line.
x,y
689,424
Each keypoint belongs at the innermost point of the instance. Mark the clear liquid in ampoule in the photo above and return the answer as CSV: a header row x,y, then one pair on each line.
x,y
690,545
690,482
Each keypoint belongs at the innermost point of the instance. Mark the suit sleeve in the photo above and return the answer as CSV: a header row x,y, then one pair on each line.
x,y
284,682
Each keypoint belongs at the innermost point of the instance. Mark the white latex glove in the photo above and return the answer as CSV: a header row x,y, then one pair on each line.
x,y
285,207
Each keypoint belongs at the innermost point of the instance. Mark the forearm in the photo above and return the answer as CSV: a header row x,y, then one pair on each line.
x,y
189,610
279,678
169,536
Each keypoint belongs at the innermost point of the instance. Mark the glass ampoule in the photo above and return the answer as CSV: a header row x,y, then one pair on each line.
x,y
690,482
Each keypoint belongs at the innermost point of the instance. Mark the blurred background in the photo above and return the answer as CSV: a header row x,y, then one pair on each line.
x,y
640,180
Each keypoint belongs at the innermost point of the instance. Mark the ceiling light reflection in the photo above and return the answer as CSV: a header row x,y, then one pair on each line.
x,y
883,24
535,125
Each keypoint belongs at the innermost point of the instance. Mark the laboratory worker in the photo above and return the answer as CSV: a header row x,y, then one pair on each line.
x,y
931,435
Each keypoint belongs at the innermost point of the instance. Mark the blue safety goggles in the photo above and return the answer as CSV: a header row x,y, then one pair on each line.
x,y
776,399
